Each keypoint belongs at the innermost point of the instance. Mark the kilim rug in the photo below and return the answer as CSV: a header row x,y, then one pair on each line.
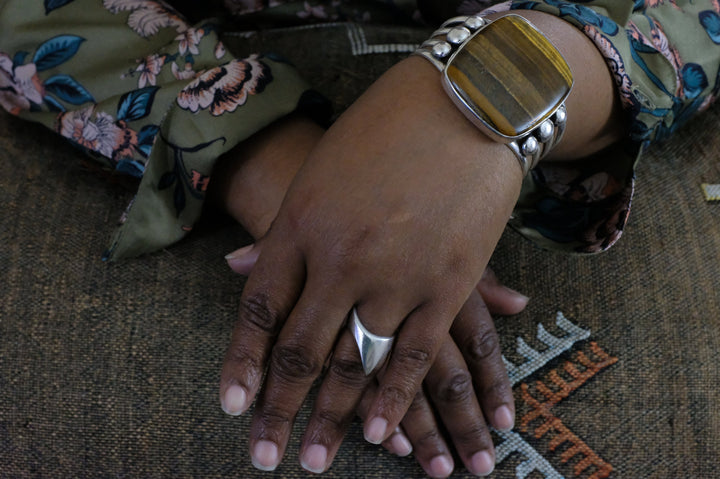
x,y
111,370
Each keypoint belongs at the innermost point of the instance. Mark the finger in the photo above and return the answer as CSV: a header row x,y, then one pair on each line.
x,y
475,335
450,388
296,361
398,442
342,388
499,298
243,260
416,345
423,431
264,305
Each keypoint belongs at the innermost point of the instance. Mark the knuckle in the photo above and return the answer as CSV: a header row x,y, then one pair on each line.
x,y
293,362
258,311
334,420
273,418
413,357
476,434
396,396
419,403
349,372
497,387
483,345
457,387
242,359
429,439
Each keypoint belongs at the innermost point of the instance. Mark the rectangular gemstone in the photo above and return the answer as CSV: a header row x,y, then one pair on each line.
x,y
510,75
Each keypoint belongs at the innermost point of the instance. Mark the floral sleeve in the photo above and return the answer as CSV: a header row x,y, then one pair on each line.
x,y
137,87
665,58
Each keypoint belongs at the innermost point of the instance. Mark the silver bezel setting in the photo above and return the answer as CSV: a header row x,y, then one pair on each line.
x,y
546,131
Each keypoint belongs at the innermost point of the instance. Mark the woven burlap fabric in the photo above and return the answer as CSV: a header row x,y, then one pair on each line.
x,y
111,370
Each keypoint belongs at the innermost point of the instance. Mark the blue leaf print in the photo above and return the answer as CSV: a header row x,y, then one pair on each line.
x,y
711,23
67,89
146,139
19,58
167,180
56,51
179,199
694,80
53,104
51,5
131,167
635,48
136,104
586,16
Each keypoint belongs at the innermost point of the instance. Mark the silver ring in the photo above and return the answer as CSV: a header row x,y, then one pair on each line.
x,y
373,349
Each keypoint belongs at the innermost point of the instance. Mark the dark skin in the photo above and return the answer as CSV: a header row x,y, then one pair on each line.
x,y
347,235
251,184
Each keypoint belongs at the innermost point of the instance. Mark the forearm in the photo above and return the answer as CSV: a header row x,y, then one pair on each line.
x,y
250,181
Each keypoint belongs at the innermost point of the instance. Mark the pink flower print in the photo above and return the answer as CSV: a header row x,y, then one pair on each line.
x,y
148,17
100,134
19,86
310,11
149,68
660,42
199,181
189,40
614,62
226,87
220,50
657,3
186,74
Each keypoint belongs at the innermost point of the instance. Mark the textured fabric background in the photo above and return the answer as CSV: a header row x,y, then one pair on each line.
x,y
111,370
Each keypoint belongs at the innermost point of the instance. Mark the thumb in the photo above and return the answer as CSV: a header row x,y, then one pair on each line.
x,y
242,260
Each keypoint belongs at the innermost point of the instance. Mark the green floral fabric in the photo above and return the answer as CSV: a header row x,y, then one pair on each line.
x,y
138,87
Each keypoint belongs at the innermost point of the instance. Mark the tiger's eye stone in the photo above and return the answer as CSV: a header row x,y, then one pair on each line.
x,y
510,75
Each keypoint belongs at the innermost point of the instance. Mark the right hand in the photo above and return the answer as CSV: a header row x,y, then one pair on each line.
x,y
467,385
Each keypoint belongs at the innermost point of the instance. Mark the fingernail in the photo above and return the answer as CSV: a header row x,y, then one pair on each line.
x,y
233,401
518,296
401,445
482,463
441,466
265,456
243,260
314,459
504,419
375,430
240,252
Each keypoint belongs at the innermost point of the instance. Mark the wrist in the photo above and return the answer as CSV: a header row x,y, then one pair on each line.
x,y
251,180
477,59
595,118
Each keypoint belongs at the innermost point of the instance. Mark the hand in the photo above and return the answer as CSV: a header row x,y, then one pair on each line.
x,y
390,215
467,382
250,187
313,246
